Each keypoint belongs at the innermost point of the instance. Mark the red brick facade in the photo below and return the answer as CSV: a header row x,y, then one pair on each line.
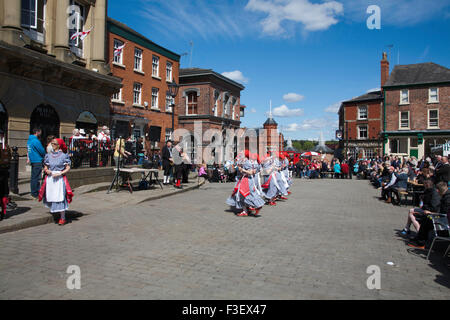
x,y
142,115
418,107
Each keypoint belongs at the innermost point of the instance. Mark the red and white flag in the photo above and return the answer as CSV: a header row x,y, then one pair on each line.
x,y
81,34
119,50
84,34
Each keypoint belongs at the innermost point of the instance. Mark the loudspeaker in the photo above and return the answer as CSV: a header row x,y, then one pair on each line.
x,y
154,133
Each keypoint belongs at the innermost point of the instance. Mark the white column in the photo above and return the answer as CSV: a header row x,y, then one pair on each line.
x,y
62,32
99,36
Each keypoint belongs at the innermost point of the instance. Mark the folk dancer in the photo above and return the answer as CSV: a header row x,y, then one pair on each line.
x,y
282,183
285,172
244,196
177,153
55,192
270,186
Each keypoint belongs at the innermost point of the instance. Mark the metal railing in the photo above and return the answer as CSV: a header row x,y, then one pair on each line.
x,y
86,153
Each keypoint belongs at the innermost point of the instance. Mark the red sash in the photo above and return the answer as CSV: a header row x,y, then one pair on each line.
x,y
243,187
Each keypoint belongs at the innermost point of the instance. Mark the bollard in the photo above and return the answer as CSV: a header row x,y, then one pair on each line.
x,y
14,171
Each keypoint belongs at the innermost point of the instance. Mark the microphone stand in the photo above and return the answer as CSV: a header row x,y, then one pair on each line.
x,y
116,176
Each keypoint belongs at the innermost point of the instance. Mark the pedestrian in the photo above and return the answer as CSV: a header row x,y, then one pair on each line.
x,y
167,161
36,153
49,147
56,193
5,160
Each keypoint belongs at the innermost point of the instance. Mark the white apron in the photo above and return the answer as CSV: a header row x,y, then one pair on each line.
x,y
54,190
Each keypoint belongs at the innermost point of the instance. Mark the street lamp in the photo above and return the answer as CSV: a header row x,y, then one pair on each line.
x,y
173,91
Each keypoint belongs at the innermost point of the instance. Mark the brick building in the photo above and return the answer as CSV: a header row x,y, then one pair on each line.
x,y
417,109
146,69
210,98
50,79
360,120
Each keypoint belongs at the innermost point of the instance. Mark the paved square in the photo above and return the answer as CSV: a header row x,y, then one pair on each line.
x,y
316,245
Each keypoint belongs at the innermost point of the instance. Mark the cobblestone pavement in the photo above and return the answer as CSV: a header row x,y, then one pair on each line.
x,y
316,245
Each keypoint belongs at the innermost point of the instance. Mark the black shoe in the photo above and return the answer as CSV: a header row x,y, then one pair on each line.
x,y
1,216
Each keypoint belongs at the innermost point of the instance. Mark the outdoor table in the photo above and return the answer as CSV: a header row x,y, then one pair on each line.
x,y
150,175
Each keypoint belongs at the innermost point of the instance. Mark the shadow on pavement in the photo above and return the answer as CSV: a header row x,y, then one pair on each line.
x,y
17,211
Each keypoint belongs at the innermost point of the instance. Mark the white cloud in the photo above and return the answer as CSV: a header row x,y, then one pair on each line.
x,y
334,108
293,97
313,16
253,110
236,76
284,112
292,127
313,124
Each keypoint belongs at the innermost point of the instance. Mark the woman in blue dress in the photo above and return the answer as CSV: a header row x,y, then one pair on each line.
x,y
245,197
56,188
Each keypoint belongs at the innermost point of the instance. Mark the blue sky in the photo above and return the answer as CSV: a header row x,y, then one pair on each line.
x,y
305,55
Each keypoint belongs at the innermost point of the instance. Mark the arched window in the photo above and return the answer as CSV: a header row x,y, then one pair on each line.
x,y
191,103
45,118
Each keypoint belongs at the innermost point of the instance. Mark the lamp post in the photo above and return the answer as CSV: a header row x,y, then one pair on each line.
x,y
173,91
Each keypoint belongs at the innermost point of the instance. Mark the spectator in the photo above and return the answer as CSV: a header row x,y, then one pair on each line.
x,y
36,153
442,172
49,148
345,169
140,150
385,191
427,224
430,203
337,170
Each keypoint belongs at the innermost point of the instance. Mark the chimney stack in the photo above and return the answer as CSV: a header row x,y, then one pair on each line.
x,y
384,70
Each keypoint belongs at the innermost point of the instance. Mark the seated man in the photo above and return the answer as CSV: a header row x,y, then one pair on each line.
x,y
400,185
427,224
430,203
386,188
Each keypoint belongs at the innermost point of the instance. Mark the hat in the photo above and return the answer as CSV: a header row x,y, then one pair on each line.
x,y
2,132
82,131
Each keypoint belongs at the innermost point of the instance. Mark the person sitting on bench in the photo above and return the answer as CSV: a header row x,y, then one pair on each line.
x,y
430,203
427,224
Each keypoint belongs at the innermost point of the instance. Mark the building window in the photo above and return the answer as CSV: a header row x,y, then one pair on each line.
x,y
117,96
226,104
137,93
433,95
242,113
216,103
168,135
169,102
155,66
433,118
118,58
77,22
234,103
404,120
169,72
399,145
32,19
404,96
362,132
155,93
191,103
362,113
137,59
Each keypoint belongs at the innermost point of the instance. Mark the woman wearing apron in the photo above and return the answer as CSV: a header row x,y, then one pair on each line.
x,y
55,192
270,185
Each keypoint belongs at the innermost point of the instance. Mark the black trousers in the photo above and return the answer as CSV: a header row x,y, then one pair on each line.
x,y
167,168
178,172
